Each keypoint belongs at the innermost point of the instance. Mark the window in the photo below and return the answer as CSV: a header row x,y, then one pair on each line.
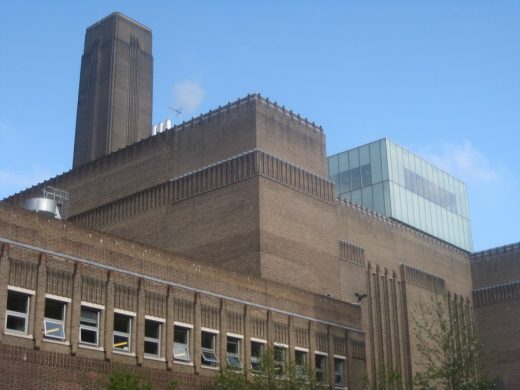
x,y
122,332
339,370
257,350
54,321
208,348
233,353
17,313
89,326
181,344
320,361
152,338
300,361
279,359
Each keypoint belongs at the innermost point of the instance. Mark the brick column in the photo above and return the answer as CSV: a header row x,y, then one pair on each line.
x,y
246,349
75,309
4,281
330,361
270,329
109,315
169,328
348,362
41,286
196,333
139,342
312,346
223,334
291,339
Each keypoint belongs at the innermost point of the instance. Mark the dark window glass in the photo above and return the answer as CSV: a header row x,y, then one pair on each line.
x,y
180,335
88,336
366,175
151,348
54,309
355,178
15,323
89,316
17,302
151,329
208,340
121,323
344,181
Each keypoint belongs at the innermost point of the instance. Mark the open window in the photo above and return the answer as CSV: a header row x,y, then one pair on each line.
x,y
279,356
122,332
233,353
181,344
208,349
152,338
89,326
54,319
17,313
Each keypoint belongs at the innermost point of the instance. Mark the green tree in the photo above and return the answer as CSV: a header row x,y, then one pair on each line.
x,y
449,347
270,376
125,380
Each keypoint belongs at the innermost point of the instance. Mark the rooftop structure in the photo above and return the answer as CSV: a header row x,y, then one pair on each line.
x,y
387,178
115,88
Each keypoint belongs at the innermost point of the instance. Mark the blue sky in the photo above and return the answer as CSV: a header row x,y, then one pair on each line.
x,y
441,78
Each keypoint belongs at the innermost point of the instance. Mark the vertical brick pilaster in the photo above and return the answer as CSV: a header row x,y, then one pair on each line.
x,y
109,315
169,328
41,286
349,366
246,348
312,346
196,333
330,360
270,329
291,338
223,333
4,281
139,343
75,309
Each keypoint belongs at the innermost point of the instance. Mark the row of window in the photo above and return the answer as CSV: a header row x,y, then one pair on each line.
x,y
17,320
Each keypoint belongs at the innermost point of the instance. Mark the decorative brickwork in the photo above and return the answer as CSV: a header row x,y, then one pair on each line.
x,y
424,279
351,253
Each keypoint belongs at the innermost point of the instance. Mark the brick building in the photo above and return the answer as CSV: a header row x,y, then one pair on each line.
x,y
202,245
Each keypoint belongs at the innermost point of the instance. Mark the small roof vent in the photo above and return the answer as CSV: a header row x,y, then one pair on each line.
x,y
53,203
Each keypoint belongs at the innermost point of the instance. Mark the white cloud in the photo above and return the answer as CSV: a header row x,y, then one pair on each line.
x,y
188,95
466,162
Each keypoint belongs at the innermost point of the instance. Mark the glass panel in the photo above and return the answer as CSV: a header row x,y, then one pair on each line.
x,y
353,158
333,165
180,335
88,316
233,345
181,352
151,348
378,198
121,342
208,340
54,309
15,323
343,162
364,155
234,361
339,369
17,302
355,196
355,178
121,323
54,329
367,198
366,175
375,162
88,336
152,329
344,181
209,358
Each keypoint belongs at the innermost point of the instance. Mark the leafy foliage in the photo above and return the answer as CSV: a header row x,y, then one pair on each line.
x,y
268,377
449,347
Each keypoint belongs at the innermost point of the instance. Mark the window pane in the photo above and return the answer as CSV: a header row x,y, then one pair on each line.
x,y
121,342
17,302
234,361
88,336
15,323
151,329
208,340
233,345
181,352
366,175
180,335
121,323
89,316
151,348
256,349
355,178
54,309
54,330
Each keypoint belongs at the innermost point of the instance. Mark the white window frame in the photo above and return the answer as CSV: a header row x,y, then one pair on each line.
x,y
342,359
18,314
209,355
128,335
234,356
153,339
185,346
257,360
90,328
60,323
